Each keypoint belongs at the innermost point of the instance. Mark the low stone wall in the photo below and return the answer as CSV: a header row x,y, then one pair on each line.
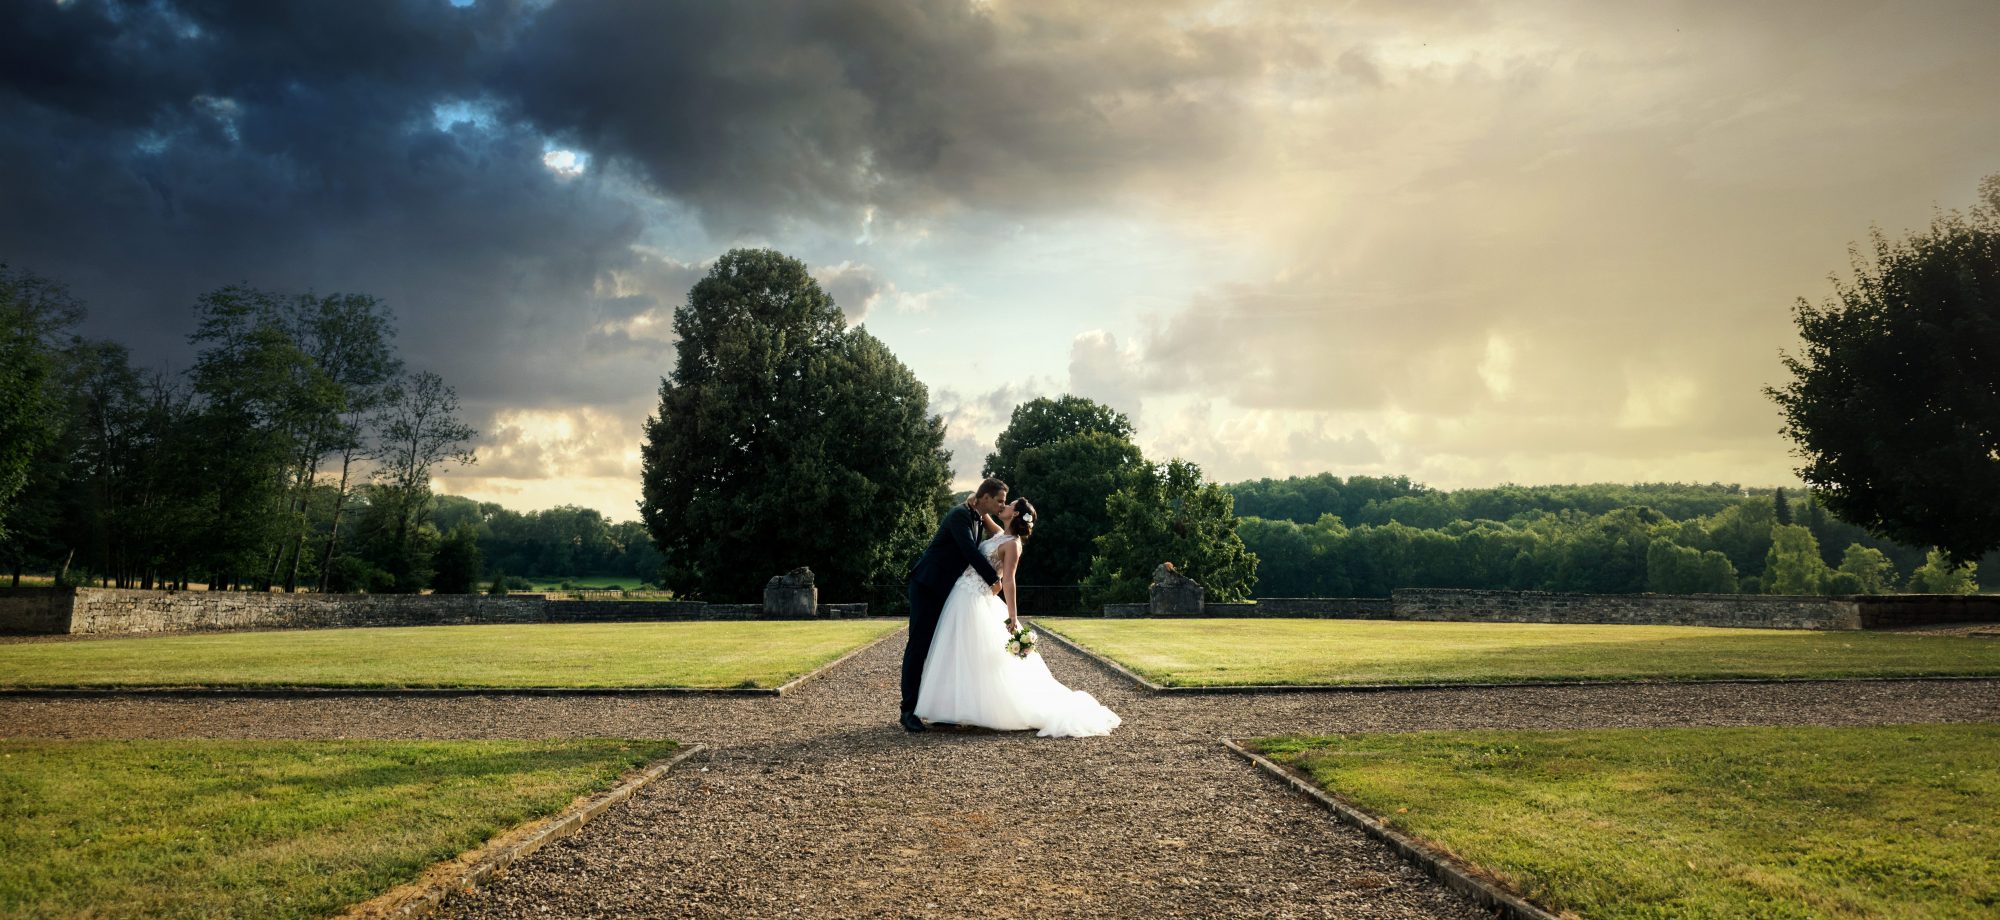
x,y
1887,611
1350,608
631,611
116,611
35,611
1340,608
1740,610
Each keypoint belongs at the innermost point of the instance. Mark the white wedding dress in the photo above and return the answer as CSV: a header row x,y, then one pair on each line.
x,y
971,679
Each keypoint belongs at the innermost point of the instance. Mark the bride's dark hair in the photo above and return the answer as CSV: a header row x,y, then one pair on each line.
x,y
1023,524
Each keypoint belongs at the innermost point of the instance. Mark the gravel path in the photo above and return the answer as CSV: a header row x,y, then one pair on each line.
x,y
817,804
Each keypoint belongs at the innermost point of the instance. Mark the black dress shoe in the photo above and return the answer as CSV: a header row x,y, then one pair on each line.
x,y
913,724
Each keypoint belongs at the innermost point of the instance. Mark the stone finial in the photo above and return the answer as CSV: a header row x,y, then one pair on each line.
x,y
791,595
801,577
1174,594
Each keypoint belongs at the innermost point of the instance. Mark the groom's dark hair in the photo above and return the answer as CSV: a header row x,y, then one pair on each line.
x,y
992,486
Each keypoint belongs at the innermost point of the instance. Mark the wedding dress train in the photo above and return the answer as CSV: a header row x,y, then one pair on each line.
x,y
971,679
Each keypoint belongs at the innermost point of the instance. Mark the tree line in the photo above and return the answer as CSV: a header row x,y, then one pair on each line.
x,y
295,452
1717,539
566,542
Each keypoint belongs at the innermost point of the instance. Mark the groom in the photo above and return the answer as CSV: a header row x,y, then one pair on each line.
x,y
955,547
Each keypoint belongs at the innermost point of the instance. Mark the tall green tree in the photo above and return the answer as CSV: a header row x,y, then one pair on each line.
x,y
1894,400
36,315
1940,574
1676,569
1867,570
785,439
350,370
458,562
246,378
1167,514
1043,421
1793,565
1067,456
420,433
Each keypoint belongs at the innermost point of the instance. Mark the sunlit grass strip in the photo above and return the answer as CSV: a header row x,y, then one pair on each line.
x,y
582,655
106,829
1301,652
1892,821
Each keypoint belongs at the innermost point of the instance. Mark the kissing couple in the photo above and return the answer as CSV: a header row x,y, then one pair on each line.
x,y
958,668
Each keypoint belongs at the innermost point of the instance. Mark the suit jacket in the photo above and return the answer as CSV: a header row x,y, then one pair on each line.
x,y
955,547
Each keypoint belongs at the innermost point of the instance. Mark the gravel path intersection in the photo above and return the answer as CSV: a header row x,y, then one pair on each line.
x,y
816,804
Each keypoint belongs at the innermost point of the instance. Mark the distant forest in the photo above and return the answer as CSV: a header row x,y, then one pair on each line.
x,y
565,542
1364,536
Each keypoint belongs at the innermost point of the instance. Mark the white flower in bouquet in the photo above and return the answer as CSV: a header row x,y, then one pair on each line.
x,y
1021,641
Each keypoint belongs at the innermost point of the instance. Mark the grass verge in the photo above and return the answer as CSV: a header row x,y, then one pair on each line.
x,y
1285,652
696,654
109,829
1888,821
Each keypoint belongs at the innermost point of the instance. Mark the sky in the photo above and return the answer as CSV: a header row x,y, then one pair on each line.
x,y
1468,242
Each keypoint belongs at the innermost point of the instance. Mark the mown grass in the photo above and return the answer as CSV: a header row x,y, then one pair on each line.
x,y
694,654
1214,652
266,829
1892,821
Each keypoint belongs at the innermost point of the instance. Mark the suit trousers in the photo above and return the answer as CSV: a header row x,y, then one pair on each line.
x,y
926,604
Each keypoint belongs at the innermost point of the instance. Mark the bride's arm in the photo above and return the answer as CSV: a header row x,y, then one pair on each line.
x,y
1010,559
992,526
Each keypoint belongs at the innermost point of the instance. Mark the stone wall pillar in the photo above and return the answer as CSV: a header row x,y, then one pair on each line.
x,y
1176,595
791,596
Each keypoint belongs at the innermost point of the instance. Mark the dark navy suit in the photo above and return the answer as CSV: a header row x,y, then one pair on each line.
x,y
955,547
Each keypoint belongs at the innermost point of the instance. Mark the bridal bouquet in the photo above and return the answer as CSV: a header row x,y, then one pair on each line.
x,y
1021,641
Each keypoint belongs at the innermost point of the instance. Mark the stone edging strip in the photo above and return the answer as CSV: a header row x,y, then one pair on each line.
x,y
1434,864
427,894
425,692
1106,662
789,686
1150,686
792,685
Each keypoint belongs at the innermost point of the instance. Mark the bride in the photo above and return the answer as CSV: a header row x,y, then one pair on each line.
x,y
971,679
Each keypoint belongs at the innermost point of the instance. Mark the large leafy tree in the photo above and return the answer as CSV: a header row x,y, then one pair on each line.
x,y
35,314
1067,456
1167,514
420,432
246,378
784,439
1043,421
1894,400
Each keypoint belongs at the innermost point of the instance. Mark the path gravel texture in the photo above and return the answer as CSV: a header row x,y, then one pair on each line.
x,y
817,805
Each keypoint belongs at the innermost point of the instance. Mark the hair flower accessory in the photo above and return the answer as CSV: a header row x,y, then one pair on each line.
x,y
1028,518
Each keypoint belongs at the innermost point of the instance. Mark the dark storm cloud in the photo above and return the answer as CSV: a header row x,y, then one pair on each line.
x,y
154,152
157,150
757,112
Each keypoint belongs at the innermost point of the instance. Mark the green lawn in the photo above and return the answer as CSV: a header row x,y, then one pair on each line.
x,y
696,654
1212,652
266,829
1893,821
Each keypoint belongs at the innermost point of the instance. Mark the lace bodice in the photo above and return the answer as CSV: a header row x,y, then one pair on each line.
x,y
990,547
